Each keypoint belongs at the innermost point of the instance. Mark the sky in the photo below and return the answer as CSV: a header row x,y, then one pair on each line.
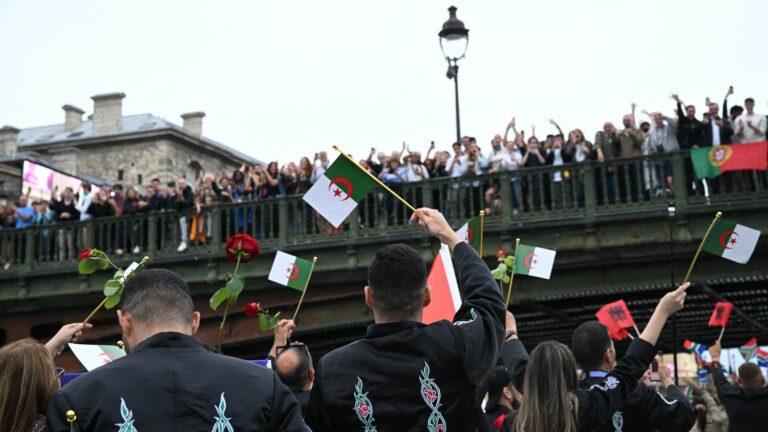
x,y
281,80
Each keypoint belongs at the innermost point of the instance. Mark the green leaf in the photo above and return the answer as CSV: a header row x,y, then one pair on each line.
x,y
499,272
509,261
227,277
112,287
118,274
264,321
235,286
505,279
219,297
90,265
113,300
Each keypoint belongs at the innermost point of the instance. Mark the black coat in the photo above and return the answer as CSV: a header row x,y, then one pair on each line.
x,y
171,383
689,132
747,409
647,410
408,376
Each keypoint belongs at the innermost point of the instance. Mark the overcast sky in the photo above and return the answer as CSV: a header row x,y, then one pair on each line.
x,y
281,80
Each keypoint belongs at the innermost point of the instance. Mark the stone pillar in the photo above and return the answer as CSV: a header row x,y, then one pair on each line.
x,y
73,117
8,137
193,123
108,112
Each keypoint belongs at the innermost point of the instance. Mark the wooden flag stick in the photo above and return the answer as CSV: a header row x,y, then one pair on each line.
x,y
701,245
721,334
374,178
482,216
512,276
306,285
98,308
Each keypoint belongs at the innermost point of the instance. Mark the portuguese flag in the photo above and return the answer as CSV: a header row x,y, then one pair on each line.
x,y
290,271
471,232
710,162
534,261
732,241
336,193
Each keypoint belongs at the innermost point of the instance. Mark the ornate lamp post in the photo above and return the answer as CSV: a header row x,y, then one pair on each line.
x,y
454,38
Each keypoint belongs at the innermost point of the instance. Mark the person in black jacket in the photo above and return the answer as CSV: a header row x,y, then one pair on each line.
x,y
746,402
553,401
645,408
65,210
182,201
405,375
169,381
292,362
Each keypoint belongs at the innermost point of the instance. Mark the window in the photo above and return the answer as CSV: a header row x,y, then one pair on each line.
x,y
119,175
139,179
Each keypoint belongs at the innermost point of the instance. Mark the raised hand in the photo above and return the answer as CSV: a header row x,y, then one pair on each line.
x,y
435,223
68,333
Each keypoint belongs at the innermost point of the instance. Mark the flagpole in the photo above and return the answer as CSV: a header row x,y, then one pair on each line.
x,y
374,178
721,334
482,216
512,276
306,285
701,245
636,330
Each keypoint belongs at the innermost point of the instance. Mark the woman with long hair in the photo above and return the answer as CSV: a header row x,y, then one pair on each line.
x,y
28,378
553,401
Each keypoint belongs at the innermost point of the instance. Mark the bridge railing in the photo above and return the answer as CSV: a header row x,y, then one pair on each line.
x,y
581,192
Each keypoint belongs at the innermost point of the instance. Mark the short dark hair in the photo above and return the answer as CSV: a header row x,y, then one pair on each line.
x,y
118,186
397,277
157,296
748,100
299,375
155,180
590,342
690,106
750,376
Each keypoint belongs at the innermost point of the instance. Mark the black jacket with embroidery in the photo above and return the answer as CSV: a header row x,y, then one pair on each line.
x,y
747,409
171,383
648,410
407,376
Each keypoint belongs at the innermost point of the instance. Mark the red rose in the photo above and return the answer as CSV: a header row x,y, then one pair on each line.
x,y
431,395
501,253
244,245
251,309
362,408
85,254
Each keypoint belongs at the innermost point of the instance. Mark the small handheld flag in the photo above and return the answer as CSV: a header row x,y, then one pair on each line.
x,y
446,299
694,348
720,314
94,356
290,271
748,349
762,357
731,241
534,261
472,232
616,317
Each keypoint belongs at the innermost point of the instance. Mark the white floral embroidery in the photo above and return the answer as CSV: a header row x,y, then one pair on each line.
x,y
222,421
610,383
127,415
474,318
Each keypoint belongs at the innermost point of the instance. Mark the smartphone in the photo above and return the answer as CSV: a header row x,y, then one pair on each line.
x,y
730,89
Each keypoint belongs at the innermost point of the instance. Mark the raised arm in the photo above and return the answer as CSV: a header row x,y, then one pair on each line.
x,y
554,123
632,114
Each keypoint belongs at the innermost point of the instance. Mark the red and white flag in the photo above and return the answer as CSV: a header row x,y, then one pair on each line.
x,y
446,299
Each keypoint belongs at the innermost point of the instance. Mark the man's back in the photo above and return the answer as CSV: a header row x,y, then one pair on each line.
x,y
170,382
407,376
747,408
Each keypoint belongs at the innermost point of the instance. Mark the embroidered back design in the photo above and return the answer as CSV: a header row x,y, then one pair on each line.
x,y
474,318
222,421
618,421
363,407
127,415
431,394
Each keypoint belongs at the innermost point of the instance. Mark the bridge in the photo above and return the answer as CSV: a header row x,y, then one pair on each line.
x,y
610,224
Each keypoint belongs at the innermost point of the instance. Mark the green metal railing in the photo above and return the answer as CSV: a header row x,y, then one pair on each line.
x,y
581,193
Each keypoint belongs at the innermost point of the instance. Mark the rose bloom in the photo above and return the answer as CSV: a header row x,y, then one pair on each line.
x,y
251,309
242,244
85,254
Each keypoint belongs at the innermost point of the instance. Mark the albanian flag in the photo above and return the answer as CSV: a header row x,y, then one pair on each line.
x,y
616,317
721,314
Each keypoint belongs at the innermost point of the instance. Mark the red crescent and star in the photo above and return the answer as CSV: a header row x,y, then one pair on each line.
x,y
531,260
343,182
470,235
724,242
292,271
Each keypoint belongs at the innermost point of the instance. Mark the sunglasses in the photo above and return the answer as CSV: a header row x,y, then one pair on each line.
x,y
282,348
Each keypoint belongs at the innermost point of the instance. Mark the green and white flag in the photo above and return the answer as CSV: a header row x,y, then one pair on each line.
x,y
290,271
336,193
93,356
732,241
471,233
534,261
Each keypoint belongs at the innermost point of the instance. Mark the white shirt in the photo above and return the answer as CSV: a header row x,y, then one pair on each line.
x,y
715,132
416,172
82,205
558,160
758,121
510,161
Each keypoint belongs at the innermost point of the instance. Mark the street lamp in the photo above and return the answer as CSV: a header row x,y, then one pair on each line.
x,y
454,38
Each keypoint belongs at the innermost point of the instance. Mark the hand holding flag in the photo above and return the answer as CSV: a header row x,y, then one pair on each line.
x,y
616,317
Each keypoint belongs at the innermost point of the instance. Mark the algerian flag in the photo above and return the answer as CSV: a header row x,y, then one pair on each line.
x,y
471,233
93,356
534,261
336,193
290,271
732,241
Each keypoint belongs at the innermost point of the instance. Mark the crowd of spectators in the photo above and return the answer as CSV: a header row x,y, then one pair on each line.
x,y
513,151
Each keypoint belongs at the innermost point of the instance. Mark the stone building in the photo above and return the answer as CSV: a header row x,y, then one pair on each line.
x,y
127,149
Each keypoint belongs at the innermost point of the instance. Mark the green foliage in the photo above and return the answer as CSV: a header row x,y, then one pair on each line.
x,y
268,322
92,265
504,270
112,287
219,297
235,287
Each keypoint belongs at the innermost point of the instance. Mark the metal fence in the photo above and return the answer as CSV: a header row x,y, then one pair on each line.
x,y
583,192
